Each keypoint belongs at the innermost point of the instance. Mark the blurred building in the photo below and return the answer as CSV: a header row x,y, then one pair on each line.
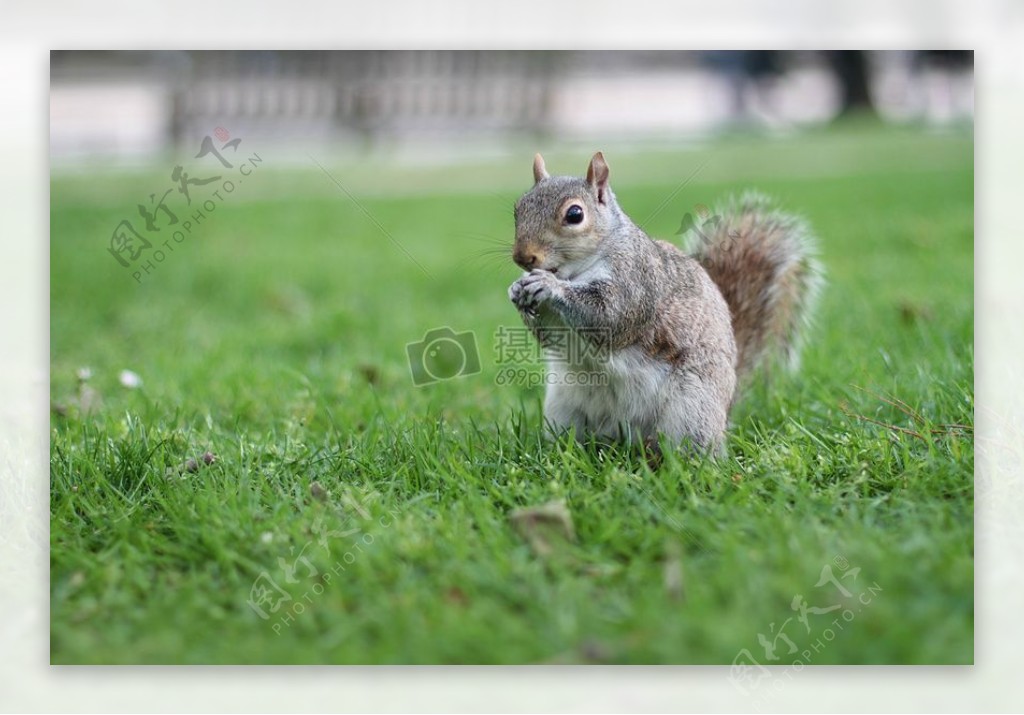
x,y
130,105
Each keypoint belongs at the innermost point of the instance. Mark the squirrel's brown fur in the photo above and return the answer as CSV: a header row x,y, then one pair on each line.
x,y
673,332
762,260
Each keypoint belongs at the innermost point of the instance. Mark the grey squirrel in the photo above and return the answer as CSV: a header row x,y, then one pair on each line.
x,y
666,337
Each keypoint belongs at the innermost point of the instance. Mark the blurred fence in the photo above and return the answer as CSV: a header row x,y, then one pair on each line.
x,y
132,103
371,93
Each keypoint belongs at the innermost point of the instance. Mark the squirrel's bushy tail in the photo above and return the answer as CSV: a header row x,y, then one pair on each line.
x,y
764,263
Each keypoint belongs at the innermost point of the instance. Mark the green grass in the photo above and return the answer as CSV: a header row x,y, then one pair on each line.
x,y
275,339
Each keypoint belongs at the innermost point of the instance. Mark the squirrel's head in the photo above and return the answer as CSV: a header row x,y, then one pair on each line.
x,y
561,221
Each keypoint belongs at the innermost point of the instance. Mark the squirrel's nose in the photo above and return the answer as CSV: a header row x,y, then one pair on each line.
x,y
525,259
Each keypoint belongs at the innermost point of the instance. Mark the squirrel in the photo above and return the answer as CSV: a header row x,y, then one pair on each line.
x,y
640,339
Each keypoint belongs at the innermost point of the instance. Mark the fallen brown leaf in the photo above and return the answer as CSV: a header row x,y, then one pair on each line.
x,y
545,525
317,491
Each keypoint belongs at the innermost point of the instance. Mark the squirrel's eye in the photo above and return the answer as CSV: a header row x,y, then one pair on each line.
x,y
574,214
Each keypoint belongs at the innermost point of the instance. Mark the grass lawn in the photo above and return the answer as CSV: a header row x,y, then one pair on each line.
x,y
369,520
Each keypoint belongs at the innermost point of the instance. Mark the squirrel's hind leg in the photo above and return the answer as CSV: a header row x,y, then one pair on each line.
x,y
695,411
561,414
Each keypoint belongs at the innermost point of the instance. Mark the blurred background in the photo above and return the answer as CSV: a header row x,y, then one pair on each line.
x,y
127,107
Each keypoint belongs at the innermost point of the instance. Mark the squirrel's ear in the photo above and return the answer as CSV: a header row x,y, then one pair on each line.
x,y
597,176
539,172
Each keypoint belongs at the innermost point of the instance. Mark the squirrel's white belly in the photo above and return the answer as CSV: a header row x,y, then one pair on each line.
x,y
621,395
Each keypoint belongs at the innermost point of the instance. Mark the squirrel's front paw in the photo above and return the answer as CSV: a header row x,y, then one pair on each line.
x,y
534,289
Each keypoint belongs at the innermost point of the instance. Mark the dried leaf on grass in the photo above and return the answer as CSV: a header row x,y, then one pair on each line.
x,y
544,526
